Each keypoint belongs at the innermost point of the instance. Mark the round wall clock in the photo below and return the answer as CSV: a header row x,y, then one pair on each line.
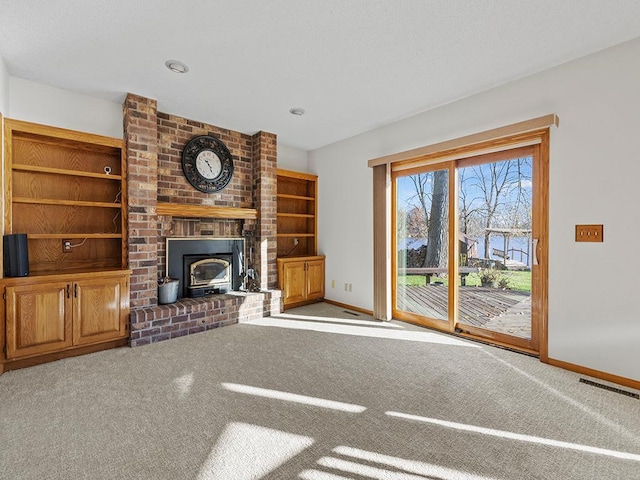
x,y
207,163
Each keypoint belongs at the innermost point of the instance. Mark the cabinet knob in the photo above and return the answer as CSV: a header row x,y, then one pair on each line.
x,y
68,291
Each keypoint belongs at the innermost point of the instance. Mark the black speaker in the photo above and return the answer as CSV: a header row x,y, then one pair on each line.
x,y
16,255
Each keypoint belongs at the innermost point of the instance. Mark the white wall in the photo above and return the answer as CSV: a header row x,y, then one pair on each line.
x,y
291,158
4,88
38,103
594,315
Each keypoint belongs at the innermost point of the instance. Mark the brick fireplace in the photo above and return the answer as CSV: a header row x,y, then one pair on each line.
x,y
154,143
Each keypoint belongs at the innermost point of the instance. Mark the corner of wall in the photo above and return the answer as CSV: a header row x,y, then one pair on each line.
x,y
39,103
4,88
291,158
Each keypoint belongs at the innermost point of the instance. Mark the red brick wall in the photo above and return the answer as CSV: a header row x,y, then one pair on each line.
x,y
154,144
141,133
173,134
265,190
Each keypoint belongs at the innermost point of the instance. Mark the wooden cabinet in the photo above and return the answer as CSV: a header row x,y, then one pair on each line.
x,y
301,279
300,269
38,319
67,191
100,309
46,314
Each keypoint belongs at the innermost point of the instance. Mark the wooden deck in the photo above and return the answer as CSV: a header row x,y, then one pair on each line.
x,y
478,305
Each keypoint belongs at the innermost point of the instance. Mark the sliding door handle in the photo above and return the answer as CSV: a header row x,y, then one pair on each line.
x,y
535,251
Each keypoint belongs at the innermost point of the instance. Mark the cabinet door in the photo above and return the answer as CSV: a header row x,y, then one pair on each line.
x,y
315,279
38,320
99,309
293,284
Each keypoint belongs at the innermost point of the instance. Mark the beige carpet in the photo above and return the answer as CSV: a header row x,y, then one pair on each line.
x,y
313,394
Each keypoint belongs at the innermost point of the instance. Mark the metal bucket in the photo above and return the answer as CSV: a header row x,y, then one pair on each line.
x,y
168,292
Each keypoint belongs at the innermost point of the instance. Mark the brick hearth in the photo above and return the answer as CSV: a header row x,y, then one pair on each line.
x,y
190,315
154,143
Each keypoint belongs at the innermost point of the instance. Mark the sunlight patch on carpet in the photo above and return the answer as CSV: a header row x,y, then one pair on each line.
x,y
354,461
375,332
294,397
183,384
246,451
518,436
352,321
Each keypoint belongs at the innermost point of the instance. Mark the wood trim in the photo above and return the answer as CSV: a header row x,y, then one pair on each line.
x,y
497,338
295,197
71,352
205,211
315,214
28,129
7,180
383,286
454,261
541,230
124,221
43,236
295,215
472,140
3,205
64,276
502,155
495,342
294,235
62,171
301,258
299,175
609,377
66,203
349,307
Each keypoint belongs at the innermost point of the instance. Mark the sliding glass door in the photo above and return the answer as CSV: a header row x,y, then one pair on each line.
x,y
422,240
466,243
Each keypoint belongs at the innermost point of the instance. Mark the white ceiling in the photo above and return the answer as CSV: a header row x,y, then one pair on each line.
x,y
352,64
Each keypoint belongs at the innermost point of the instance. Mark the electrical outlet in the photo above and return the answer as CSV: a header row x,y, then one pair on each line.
x,y
346,287
296,241
333,284
350,286
66,246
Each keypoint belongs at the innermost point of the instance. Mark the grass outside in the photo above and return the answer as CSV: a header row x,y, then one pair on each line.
x,y
519,281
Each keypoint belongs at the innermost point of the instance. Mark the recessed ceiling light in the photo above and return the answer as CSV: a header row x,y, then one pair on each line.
x,y
176,66
297,111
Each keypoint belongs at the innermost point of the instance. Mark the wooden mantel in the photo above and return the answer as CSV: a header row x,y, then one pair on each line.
x,y
206,211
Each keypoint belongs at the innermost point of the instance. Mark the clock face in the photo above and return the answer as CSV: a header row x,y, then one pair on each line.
x,y
207,164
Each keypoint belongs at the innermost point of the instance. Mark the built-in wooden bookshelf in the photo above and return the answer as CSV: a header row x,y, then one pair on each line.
x,y
300,268
297,214
66,191
65,185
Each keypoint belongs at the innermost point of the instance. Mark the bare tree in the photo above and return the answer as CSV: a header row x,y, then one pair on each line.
x,y
435,230
468,204
502,190
427,209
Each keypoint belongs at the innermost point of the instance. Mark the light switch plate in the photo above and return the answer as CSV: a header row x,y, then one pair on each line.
x,y
589,233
